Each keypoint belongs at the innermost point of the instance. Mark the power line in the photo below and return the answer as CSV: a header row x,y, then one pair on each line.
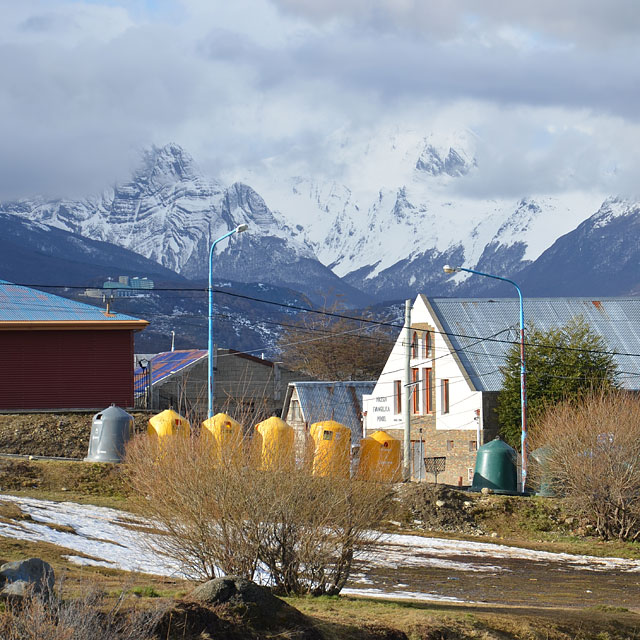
x,y
352,318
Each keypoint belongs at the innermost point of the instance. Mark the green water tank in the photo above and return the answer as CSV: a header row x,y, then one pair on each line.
x,y
496,468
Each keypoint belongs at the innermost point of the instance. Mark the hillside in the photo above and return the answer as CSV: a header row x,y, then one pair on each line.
x,y
481,554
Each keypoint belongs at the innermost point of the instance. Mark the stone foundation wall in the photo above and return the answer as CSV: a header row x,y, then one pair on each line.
x,y
457,446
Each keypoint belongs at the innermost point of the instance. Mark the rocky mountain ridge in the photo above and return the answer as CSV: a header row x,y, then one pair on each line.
x,y
382,233
170,214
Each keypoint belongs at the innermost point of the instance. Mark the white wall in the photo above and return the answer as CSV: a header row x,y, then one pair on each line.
x,y
379,406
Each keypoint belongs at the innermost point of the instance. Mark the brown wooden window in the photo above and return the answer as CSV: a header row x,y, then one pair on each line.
x,y
415,390
449,445
397,395
445,395
427,344
473,445
426,390
414,345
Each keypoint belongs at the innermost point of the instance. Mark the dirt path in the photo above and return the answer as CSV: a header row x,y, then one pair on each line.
x,y
473,572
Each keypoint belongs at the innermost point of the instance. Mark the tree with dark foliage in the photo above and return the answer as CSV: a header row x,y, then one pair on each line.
x,y
561,363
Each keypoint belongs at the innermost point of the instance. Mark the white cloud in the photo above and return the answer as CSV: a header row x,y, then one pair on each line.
x,y
551,88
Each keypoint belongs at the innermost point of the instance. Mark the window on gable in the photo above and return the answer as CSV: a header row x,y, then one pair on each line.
x,y
414,345
397,396
427,344
296,414
444,390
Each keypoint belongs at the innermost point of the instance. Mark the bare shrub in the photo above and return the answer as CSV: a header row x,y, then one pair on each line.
x,y
47,616
249,403
198,502
592,456
294,531
328,347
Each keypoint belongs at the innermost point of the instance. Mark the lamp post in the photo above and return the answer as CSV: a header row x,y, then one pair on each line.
x,y
523,376
238,229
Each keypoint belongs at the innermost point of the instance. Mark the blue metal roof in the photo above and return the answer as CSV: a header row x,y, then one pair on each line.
x,y
167,363
468,320
23,304
339,401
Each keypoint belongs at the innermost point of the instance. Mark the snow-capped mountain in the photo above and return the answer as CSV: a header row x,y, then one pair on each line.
x,y
400,207
600,257
36,253
170,213
405,209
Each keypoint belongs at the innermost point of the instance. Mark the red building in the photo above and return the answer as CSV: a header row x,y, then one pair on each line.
x,y
56,353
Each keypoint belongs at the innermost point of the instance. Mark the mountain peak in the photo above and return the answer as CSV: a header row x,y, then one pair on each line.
x,y
171,161
454,163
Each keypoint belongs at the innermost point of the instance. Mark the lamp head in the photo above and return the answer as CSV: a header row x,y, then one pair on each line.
x,y
449,269
241,227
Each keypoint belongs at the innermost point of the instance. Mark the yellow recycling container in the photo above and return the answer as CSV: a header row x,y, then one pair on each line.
x,y
226,438
390,460
168,423
369,459
273,444
332,454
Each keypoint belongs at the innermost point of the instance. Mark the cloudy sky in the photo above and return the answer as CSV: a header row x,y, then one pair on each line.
x,y
549,89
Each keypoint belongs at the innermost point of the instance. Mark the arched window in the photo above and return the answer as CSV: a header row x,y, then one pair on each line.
x,y
414,345
427,344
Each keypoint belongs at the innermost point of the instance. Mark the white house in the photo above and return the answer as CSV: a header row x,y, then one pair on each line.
x,y
457,348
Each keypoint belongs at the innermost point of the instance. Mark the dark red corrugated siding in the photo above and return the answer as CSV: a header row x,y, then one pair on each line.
x,y
66,369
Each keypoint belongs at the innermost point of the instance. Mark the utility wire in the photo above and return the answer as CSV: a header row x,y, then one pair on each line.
x,y
347,317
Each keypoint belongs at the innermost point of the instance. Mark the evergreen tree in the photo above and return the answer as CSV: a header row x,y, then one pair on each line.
x,y
561,363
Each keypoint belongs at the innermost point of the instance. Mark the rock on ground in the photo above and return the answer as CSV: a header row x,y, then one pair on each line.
x,y
255,604
19,577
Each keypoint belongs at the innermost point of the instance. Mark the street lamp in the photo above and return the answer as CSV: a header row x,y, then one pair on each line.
x,y
143,363
239,229
523,377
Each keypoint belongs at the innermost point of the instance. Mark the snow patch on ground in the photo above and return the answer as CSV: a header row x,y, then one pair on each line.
x,y
400,595
99,536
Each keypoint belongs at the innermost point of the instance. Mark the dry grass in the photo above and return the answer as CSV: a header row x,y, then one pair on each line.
x,y
344,618
54,616
76,577
82,482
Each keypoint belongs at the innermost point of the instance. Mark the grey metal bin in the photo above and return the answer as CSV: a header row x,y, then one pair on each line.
x,y
111,429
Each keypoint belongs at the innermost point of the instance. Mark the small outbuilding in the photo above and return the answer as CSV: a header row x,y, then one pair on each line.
x,y
57,353
309,402
249,389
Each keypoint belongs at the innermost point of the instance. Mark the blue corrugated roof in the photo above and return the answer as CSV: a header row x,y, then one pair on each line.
x,y
339,401
23,304
166,363
466,320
